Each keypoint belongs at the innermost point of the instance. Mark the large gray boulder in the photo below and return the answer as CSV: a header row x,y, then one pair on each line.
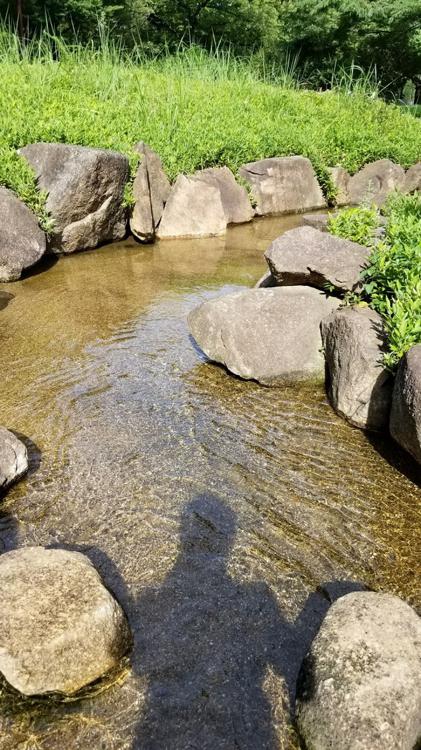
x,y
413,179
22,242
283,185
374,182
405,417
306,256
60,628
151,189
194,209
234,197
85,189
13,458
358,386
203,204
268,335
340,180
360,684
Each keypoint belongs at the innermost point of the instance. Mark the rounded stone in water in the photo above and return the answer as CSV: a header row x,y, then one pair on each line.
x,y
60,628
360,684
13,458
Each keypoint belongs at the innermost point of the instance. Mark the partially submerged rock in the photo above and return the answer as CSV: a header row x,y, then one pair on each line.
x,y
13,458
85,189
340,180
283,185
60,628
317,221
151,189
405,418
268,335
306,256
22,242
194,209
358,385
374,182
360,684
413,179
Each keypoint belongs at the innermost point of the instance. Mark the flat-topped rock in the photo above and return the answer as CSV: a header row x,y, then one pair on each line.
x,y
374,182
22,242
340,179
60,628
194,209
85,189
358,385
306,256
151,189
413,179
283,185
268,335
360,684
405,418
13,458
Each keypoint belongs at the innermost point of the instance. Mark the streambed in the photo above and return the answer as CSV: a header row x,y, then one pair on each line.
x,y
214,508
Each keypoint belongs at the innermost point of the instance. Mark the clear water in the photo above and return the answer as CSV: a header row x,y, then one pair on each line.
x,y
224,515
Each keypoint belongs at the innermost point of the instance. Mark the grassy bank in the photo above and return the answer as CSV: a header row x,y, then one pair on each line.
x,y
392,280
194,108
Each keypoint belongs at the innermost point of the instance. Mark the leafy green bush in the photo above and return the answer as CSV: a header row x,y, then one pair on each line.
x,y
194,108
356,224
392,279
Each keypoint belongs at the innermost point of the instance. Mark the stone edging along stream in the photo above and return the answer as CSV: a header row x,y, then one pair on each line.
x,y
85,190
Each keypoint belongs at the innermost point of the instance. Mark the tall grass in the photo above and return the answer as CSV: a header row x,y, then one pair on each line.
x,y
195,108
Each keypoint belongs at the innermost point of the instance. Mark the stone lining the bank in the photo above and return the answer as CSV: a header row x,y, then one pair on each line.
x,y
85,189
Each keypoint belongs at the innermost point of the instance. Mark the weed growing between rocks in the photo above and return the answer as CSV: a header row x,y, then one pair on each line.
x,y
195,109
392,279
356,224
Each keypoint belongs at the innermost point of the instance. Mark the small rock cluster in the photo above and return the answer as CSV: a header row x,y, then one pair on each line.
x,y
85,189
276,333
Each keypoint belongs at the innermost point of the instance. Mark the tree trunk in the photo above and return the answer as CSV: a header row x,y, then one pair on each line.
x,y
19,17
417,95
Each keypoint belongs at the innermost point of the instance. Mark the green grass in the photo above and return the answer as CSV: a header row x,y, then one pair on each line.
x,y
415,109
392,279
194,108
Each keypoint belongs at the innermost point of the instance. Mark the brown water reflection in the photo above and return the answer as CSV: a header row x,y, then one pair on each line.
x,y
134,428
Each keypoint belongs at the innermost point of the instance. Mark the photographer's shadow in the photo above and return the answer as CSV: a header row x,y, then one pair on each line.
x,y
204,643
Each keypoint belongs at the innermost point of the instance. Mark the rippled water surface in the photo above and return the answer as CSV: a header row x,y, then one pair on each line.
x,y
214,508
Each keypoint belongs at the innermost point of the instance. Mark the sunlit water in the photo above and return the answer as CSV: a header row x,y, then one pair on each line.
x,y
214,508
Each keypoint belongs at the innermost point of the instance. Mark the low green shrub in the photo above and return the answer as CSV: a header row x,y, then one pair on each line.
x,y
356,224
392,279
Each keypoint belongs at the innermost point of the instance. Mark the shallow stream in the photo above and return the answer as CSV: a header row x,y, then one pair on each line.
x,y
224,515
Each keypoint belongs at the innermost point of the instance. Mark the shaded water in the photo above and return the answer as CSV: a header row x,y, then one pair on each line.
x,y
213,507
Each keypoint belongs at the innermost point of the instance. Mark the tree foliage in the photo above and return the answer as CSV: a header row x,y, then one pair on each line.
x,y
324,34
